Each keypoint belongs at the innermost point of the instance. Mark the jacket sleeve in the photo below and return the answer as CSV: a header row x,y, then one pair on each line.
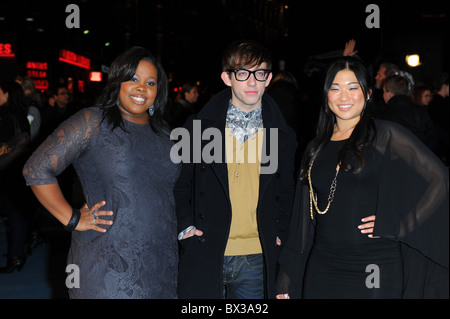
x,y
296,249
413,208
288,184
183,190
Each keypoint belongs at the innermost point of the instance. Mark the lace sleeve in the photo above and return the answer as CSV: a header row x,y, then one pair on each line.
x,y
62,147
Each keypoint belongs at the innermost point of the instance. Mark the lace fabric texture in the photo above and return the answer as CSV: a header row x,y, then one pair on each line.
x,y
137,257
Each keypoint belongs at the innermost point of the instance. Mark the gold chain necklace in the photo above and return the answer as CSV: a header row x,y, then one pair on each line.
x,y
313,198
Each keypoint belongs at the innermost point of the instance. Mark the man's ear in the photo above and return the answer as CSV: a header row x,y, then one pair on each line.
x,y
269,78
226,78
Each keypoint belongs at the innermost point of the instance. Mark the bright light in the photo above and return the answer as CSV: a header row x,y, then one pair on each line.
x,y
413,60
86,31
107,44
96,76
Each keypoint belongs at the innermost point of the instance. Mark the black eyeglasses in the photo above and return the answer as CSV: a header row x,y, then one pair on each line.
x,y
261,75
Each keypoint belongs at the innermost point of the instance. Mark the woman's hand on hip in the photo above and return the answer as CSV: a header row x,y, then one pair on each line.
x,y
367,227
91,218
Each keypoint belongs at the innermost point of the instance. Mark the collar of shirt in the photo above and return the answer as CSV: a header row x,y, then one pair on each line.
x,y
243,125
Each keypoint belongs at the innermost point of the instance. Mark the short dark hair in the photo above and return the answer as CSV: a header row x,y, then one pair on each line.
x,y
16,102
396,84
438,81
391,68
241,54
187,87
122,69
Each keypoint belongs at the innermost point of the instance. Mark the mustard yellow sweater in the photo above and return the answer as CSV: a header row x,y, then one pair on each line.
x,y
243,163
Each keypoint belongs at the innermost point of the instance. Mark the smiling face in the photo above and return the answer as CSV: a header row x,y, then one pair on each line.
x,y
247,95
346,98
139,93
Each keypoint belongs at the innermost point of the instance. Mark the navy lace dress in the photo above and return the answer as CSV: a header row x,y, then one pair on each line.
x,y
132,171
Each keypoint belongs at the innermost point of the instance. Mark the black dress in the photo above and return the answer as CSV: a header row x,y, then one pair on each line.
x,y
344,262
406,186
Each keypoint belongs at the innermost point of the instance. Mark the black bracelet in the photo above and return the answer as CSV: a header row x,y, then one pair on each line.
x,y
73,222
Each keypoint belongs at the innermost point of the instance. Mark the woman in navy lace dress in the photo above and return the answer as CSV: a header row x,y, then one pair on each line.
x,y
124,239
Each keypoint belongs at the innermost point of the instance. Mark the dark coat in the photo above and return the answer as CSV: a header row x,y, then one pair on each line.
x,y
202,199
415,118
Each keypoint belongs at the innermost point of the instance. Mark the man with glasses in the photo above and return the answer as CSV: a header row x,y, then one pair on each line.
x,y
233,215
58,111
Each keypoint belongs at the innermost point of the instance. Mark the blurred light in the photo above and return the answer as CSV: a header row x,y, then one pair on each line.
x,y
413,60
95,76
107,44
29,19
86,31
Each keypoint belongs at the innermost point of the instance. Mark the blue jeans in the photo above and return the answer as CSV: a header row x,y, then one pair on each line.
x,y
243,277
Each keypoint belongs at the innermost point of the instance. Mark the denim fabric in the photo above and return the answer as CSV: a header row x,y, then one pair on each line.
x,y
243,277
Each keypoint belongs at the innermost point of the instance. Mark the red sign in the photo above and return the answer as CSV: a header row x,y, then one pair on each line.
x,y
81,86
38,72
6,50
75,59
96,76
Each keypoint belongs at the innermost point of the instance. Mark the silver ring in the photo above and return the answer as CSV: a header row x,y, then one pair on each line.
x,y
94,214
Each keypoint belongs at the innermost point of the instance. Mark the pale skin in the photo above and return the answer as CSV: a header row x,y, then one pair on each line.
x,y
135,98
346,100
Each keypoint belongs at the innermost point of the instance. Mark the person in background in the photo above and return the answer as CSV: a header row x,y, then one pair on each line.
x,y
58,111
34,102
370,217
13,120
284,90
385,69
421,95
124,239
438,109
183,107
400,109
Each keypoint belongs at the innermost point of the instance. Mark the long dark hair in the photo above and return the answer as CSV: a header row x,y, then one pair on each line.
x,y
16,103
122,69
363,133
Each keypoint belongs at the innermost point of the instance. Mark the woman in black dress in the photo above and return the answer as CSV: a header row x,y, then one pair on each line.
x,y
358,170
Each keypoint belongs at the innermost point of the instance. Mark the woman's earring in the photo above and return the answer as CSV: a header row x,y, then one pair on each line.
x,y
151,110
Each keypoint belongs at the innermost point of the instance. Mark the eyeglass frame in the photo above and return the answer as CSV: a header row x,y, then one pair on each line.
x,y
266,74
